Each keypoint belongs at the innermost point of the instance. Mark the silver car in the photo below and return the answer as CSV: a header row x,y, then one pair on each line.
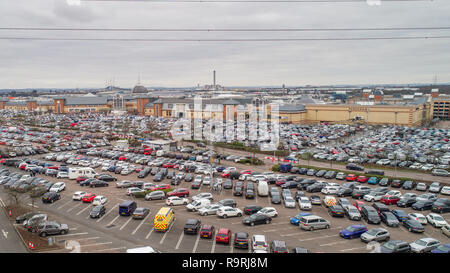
x,y
376,234
434,187
289,202
208,210
352,213
424,245
155,195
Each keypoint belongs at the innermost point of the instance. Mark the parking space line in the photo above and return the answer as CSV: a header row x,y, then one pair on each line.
x,y
350,249
335,243
213,248
110,223
107,213
167,232
148,235
81,211
314,238
231,244
143,220
65,204
96,244
196,244
54,203
76,206
109,249
179,240
72,234
126,223
90,238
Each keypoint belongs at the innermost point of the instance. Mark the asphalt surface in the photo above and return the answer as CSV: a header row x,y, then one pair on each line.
x,y
10,241
114,233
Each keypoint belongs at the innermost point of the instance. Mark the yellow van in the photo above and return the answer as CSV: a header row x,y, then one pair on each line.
x,y
163,219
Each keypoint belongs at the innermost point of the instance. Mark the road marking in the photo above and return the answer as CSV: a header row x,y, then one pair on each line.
x,y
196,244
52,204
97,244
326,236
179,240
110,223
83,209
90,238
34,206
108,249
334,243
143,220
126,223
74,207
71,201
106,213
148,235
165,234
1,202
350,249
231,244
5,233
72,234
213,248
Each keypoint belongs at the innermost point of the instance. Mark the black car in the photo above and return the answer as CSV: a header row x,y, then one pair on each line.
x,y
316,187
359,194
336,211
256,219
370,215
303,185
302,171
251,209
321,173
299,194
290,185
50,197
241,240
51,228
249,194
354,167
344,192
238,190
441,205
422,205
413,225
97,211
299,250
192,226
154,171
228,203
158,177
330,175
395,246
275,198
396,183
106,178
98,183
406,202
389,219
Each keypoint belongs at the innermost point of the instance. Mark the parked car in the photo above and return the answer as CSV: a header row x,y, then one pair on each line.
x,y
353,231
424,245
376,234
51,228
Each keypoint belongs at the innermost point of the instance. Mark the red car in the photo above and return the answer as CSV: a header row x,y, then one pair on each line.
x,y
168,165
52,167
359,205
160,187
88,197
280,182
223,236
225,174
122,158
389,199
81,178
206,231
350,177
246,172
362,179
182,192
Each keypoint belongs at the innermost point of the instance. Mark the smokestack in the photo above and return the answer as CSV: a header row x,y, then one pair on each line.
x,y
214,78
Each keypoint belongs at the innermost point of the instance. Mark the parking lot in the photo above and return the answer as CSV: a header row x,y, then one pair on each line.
x,y
114,233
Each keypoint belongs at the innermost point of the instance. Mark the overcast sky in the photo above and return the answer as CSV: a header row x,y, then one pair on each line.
x,y
70,64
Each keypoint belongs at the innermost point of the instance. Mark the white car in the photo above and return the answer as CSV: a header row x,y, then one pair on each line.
x,y
176,201
78,195
99,200
418,217
394,193
289,202
330,190
203,195
225,212
206,180
269,211
436,220
445,190
373,196
304,203
58,187
198,179
62,175
259,243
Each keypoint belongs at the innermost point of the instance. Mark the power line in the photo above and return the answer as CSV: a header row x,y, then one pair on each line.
x,y
225,40
222,29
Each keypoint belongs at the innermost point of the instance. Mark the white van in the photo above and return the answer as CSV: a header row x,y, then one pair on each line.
x,y
159,153
263,188
198,204
77,172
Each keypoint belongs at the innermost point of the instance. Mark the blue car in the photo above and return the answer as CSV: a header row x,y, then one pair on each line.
x,y
192,158
373,180
353,231
296,219
220,169
400,214
442,249
112,168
